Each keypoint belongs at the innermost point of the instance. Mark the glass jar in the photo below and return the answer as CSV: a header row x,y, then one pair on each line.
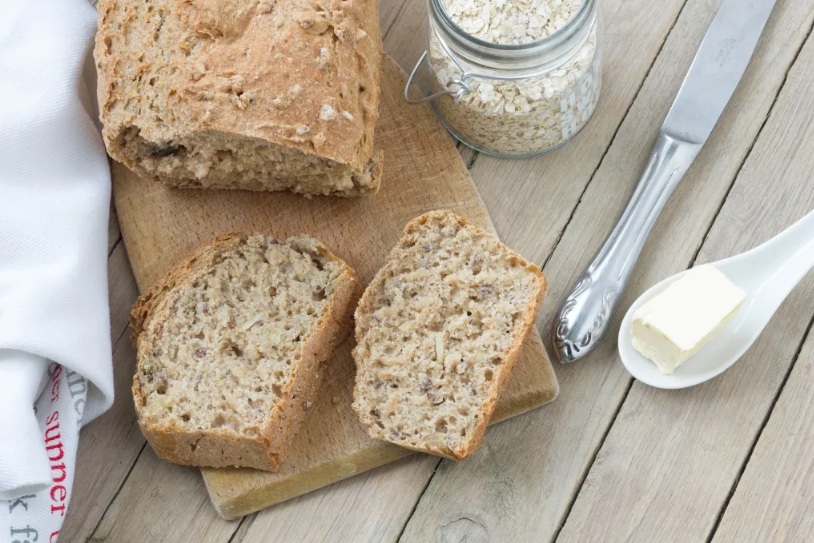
x,y
513,100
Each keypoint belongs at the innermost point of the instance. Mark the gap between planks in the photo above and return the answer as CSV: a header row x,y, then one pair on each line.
x,y
763,424
612,140
418,500
587,470
116,494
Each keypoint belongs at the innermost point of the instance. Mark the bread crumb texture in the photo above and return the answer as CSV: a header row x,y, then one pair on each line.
x,y
438,331
230,347
251,94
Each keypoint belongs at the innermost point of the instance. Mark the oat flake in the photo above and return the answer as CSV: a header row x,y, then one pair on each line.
x,y
511,22
327,113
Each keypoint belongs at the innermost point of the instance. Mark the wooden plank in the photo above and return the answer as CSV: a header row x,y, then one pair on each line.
x,y
423,172
671,458
407,37
630,23
336,513
388,13
154,506
773,498
521,486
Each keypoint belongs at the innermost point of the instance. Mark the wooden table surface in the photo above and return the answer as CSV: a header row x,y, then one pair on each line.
x,y
610,459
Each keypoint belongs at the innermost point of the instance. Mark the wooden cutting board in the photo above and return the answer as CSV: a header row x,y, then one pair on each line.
x,y
422,172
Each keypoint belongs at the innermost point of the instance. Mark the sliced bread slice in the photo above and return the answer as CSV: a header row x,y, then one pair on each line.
x,y
438,331
230,346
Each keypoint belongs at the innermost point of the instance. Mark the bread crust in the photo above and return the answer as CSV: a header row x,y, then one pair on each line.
x,y
222,448
301,74
510,359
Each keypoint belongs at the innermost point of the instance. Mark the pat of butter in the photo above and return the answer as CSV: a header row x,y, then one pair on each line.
x,y
674,325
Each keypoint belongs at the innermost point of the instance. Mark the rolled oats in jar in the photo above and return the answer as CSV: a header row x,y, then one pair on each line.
x,y
513,77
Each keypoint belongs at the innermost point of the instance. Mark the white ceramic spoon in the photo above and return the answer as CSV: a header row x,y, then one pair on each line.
x,y
767,273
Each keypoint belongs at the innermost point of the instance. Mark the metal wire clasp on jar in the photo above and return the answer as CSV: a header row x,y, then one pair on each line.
x,y
513,100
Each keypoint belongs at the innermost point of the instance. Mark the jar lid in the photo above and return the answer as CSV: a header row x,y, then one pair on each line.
x,y
498,60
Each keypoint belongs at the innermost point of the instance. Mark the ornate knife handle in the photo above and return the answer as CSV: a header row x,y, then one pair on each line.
x,y
585,315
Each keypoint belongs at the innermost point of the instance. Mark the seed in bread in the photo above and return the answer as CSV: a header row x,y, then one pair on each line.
x,y
438,332
230,346
248,94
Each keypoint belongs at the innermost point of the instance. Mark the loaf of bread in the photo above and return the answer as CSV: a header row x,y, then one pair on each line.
x,y
438,331
230,347
249,94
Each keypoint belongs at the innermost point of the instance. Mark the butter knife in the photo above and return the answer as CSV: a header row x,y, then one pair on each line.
x,y
719,64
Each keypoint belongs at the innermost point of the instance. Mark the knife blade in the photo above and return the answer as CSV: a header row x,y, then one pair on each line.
x,y
718,66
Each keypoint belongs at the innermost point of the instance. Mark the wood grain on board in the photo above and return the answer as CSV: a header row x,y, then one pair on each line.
x,y
423,172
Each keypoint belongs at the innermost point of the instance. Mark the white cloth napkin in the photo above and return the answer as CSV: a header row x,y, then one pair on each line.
x,y
54,202
23,463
